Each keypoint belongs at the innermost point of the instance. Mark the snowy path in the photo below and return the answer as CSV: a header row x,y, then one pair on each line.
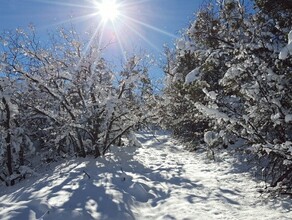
x,y
197,189
156,181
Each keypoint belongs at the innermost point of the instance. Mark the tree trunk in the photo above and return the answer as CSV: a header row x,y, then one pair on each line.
x,y
8,138
21,155
97,152
82,150
282,177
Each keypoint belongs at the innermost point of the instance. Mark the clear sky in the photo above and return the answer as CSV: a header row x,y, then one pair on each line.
x,y
141,25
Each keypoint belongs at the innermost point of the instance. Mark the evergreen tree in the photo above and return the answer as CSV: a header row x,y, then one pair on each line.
x,y
226,72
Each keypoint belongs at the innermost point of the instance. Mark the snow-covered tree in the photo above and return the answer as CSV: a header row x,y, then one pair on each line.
x,y
71,101
15,142
227,71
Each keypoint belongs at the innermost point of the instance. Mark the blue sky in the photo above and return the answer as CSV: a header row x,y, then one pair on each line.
x,y
147,25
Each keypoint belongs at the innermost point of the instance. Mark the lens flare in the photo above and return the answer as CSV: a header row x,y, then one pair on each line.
x,y
108,10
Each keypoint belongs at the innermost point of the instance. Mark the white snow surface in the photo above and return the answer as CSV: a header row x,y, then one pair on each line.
x,y
158,180
210,137
284,53
192,76
288,118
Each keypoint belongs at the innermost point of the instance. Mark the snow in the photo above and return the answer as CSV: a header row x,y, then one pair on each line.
x,y
212,95
232,73
284,53
192,76
158,180
213,113
290,37
210,137
288,118
180,45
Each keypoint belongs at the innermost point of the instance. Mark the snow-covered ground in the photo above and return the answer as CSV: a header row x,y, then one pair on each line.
x,y
158,180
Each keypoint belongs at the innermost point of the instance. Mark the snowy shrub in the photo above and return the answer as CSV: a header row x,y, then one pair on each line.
x,y
62,99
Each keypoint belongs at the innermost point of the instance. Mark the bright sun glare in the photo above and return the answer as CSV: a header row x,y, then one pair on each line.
x,y
108,10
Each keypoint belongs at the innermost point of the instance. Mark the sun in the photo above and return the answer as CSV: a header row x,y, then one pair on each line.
x,y
108,10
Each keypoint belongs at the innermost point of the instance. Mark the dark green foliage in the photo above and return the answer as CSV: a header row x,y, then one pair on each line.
x,y
242,89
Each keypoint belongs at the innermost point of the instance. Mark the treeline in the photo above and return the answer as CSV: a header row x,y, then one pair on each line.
x,y
229,79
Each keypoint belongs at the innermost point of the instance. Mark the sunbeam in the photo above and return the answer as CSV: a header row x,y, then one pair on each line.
x,y
71,20
88,45
64,4
100,27
143,38
120,43
149,26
